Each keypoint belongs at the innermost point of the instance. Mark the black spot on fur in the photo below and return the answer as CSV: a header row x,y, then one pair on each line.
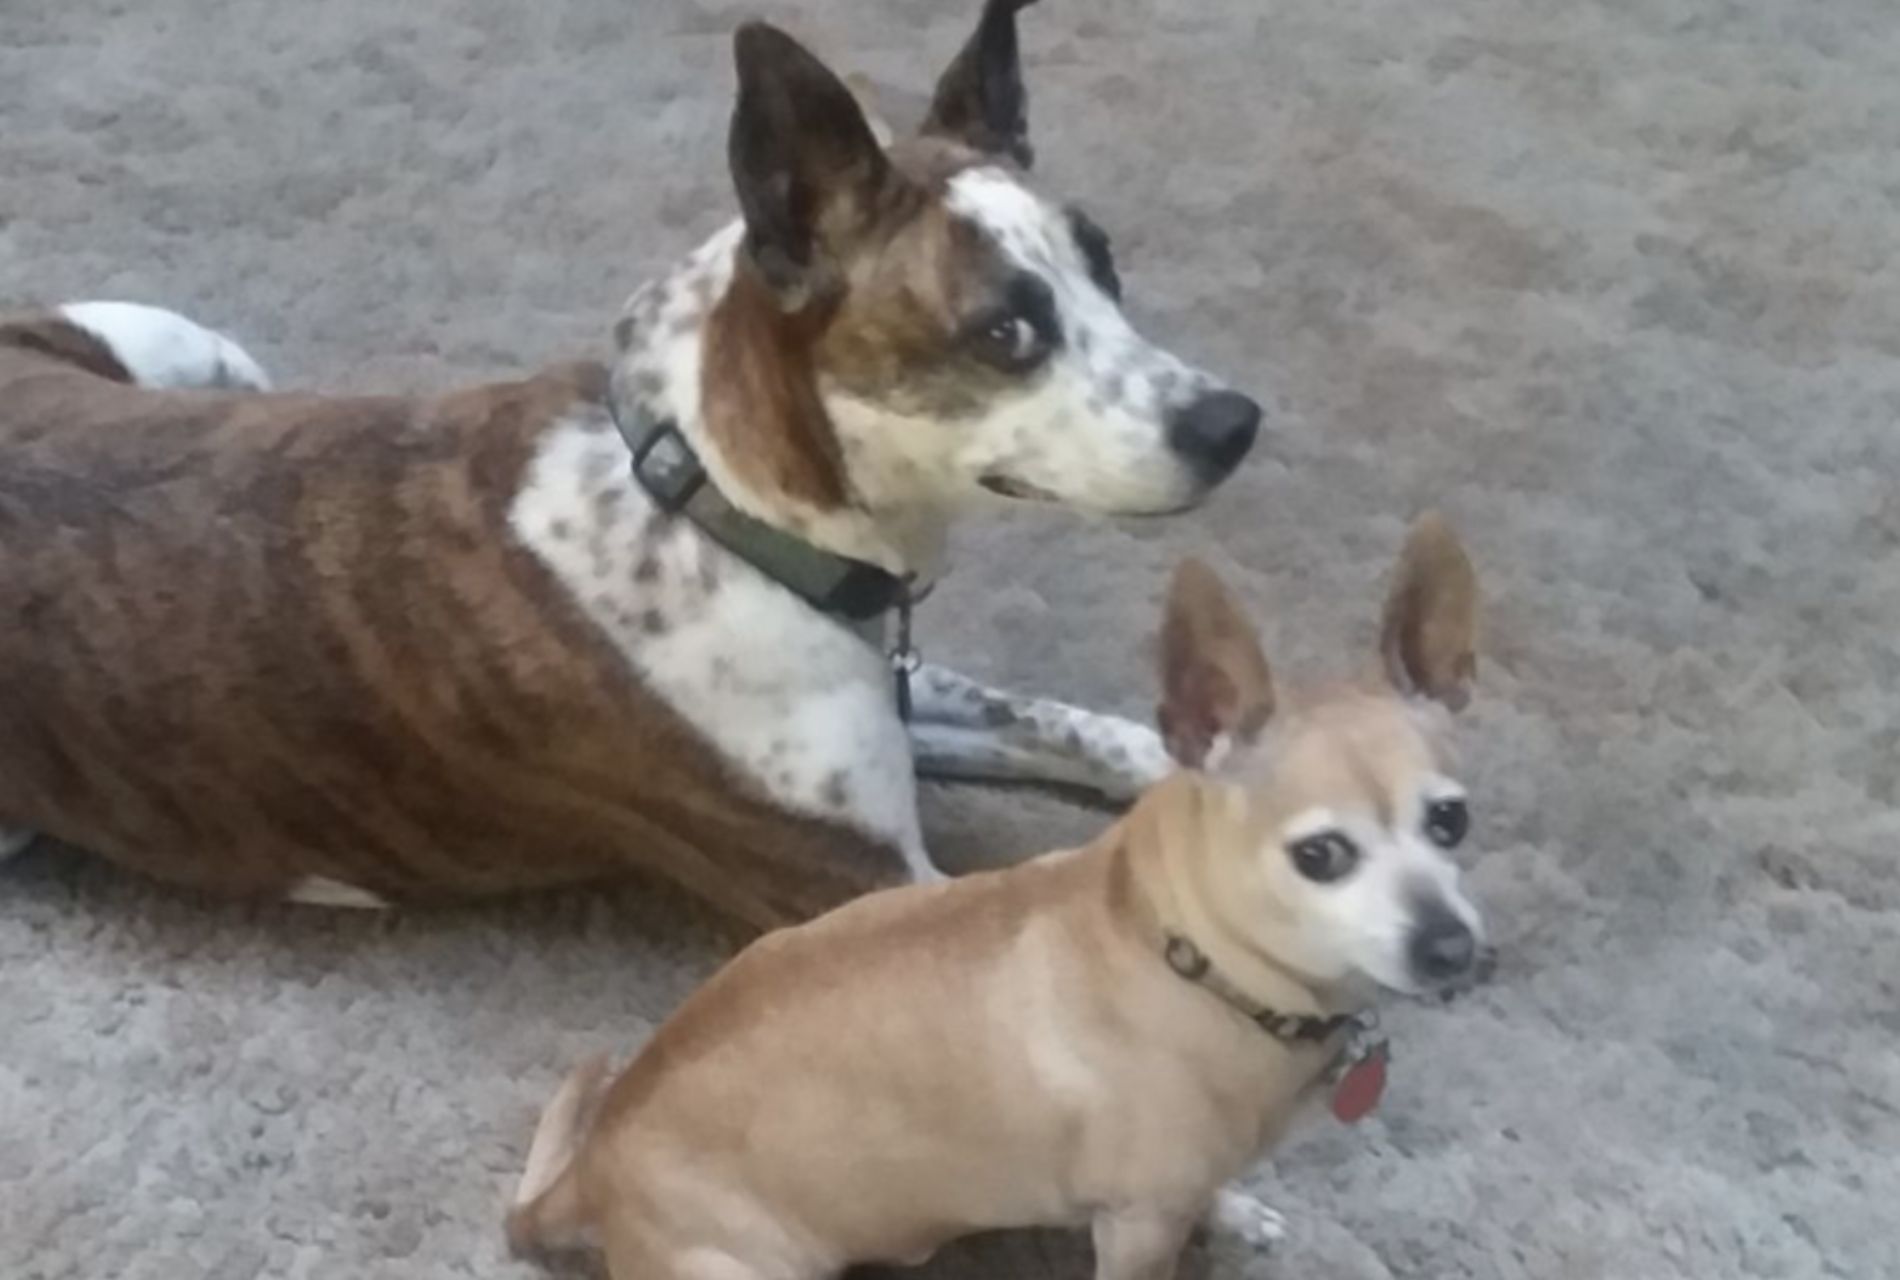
x,y
653,622
1096,252
647,385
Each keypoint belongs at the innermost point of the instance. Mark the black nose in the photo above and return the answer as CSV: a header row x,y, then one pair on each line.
x,y
1443,948
1213,432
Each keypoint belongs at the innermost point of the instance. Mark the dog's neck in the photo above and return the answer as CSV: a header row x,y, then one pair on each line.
x,y
707,347
1165,845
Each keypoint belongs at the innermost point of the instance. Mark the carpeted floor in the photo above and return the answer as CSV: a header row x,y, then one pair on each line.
x,y
1612,281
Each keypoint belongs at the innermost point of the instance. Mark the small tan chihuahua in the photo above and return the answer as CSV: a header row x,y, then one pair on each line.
x,y
1102,1036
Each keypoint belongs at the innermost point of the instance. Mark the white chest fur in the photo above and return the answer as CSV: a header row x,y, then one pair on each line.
x,y
797,704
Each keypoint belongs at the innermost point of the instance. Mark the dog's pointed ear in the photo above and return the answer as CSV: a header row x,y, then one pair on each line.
x,y
808,170
1429,639
865,92
980,100
1216,690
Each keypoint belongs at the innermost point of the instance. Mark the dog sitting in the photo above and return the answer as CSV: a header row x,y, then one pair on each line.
x,y
356,650
1104,1036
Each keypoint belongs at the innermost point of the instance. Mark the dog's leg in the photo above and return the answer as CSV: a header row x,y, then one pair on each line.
x,y
548,1212
1139,1244
15,840
965,730
161,348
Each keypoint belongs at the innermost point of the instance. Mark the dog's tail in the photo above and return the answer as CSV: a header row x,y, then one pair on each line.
x,y
548,1212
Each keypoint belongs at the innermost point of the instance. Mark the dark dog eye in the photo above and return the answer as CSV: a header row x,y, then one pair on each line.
x,y
1325,857
1446,822
1020,332
1013,339
1096,252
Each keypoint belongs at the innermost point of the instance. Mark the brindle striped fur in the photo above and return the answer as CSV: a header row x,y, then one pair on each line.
x,y
254,638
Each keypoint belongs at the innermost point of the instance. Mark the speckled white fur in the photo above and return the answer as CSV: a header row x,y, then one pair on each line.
x,y
1089,429
802,707
161,348
963,729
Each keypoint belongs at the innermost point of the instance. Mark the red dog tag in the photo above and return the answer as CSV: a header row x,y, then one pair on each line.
x,y
1358,1090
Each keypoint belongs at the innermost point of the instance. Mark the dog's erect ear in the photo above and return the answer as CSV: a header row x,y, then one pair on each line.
x,y
1216,691
1430,637
808,171
866,94
980,100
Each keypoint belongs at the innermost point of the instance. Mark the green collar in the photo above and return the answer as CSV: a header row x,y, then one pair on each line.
x,y
673,476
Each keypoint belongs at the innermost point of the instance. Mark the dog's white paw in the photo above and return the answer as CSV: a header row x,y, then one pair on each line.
x,y
1139,756
321,891
1241,1217
161,348
15,840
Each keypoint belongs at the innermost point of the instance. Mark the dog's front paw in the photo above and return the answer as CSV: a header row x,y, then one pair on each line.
x,y
1242,1218
1131,756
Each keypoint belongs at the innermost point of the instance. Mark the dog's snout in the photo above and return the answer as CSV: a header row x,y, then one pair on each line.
x,y
1443,948
1213,432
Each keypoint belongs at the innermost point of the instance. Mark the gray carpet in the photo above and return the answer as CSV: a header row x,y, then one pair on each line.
x,y
1612,281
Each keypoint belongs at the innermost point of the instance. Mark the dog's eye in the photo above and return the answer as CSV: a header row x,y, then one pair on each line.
x,y
1021,330
1446,822
1325,857
1012,342
1013,337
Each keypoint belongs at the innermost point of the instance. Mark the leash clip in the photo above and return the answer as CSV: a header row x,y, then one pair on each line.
x,y
1362,1042
904,656
664,465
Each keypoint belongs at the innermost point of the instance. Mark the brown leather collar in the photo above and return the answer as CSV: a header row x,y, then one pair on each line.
x,y
1191,963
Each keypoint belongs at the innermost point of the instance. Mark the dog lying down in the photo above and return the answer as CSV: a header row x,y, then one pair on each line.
x,y
1107,1035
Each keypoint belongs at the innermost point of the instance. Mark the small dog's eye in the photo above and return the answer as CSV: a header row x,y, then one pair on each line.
x,y
1446,822
1325,857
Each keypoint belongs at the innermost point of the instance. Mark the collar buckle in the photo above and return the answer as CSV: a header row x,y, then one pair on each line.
x,y
664,465
667,468
1186,959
